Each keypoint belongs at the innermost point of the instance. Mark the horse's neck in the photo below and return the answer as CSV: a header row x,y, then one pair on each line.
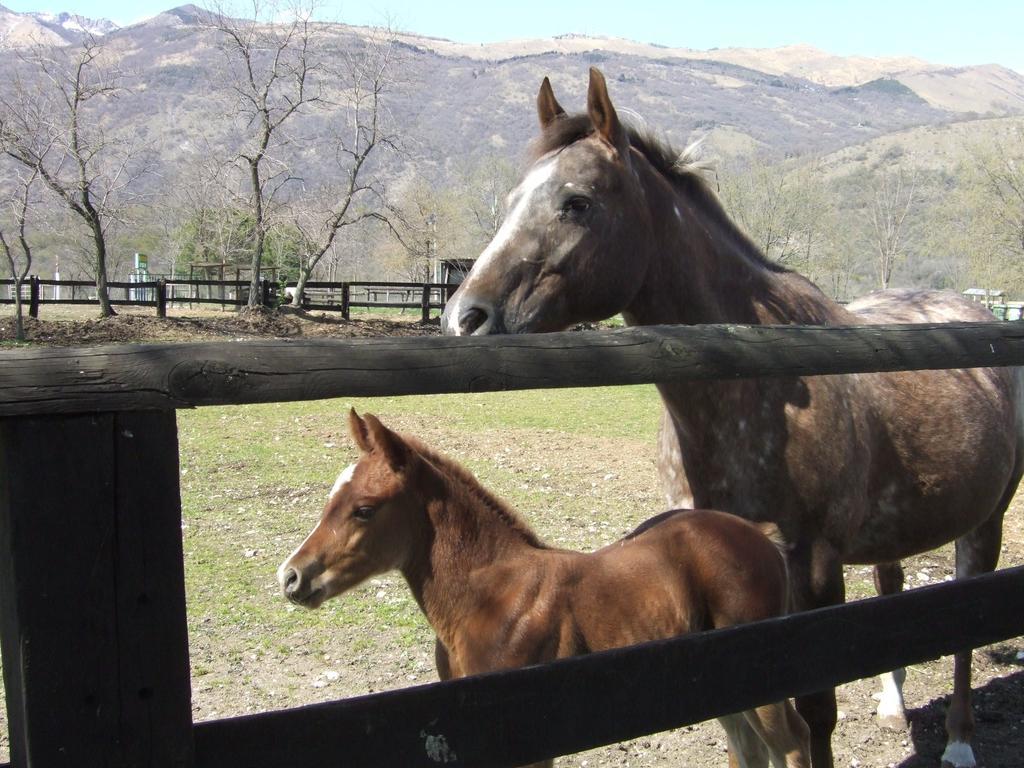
x,y
703,269
466,534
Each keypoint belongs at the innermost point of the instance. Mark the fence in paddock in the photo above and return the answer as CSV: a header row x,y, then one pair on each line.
x,y
342,297
92,601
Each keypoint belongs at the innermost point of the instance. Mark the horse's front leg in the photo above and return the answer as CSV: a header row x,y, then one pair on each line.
x,y
816,581
674,483
443,662
892,713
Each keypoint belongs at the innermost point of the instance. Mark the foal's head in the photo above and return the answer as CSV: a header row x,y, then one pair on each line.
x,y
369,524
572,246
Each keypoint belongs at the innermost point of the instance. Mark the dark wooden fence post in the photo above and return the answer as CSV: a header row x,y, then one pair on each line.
x,y
33,293
92,596
161,298
266,298
425,302
345,309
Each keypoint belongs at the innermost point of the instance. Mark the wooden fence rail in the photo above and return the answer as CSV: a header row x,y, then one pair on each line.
x,y
138,377
94,639
423,298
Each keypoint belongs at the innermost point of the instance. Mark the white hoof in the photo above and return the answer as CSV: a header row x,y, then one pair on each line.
x,y
958,755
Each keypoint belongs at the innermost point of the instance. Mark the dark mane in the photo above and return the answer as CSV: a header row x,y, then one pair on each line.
x,y
683,169
467,482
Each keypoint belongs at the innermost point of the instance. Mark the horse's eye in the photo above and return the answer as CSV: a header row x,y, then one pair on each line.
x,y
363,513
576,204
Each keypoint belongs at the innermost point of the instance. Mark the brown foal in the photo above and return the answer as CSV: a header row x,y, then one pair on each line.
x,y
498,598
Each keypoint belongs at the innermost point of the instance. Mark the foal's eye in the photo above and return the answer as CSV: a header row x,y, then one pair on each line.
x,y
363,513
576,204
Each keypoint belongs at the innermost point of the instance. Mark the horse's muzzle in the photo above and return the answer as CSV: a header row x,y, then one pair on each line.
x,y
477,319
297,587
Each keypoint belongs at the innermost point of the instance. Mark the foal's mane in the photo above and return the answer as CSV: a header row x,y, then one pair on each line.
x,y
683,169
470,488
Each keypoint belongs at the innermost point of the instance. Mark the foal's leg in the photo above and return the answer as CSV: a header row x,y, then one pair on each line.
x,y
976,552
892,714
746,749
816,580
784,732
444,672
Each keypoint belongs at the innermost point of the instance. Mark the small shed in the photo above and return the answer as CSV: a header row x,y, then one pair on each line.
x,y
454,271
988,296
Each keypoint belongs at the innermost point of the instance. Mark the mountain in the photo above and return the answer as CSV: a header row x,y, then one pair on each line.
x,y
981,89
456,103
18,30
21,29
72,26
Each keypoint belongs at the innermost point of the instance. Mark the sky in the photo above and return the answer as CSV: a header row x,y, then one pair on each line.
x,y
940,31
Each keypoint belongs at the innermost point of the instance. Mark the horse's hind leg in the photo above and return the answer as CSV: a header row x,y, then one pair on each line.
x,y
892,714
976,552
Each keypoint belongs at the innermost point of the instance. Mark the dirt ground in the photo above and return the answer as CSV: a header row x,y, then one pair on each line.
x,y
351,662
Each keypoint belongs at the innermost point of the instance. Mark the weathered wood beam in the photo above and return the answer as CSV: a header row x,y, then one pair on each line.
x,y
92,595
140,377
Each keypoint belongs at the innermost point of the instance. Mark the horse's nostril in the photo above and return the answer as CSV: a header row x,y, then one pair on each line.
x,y
472,319
290,582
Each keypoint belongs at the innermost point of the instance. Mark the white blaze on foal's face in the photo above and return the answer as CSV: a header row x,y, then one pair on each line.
x,y
343,479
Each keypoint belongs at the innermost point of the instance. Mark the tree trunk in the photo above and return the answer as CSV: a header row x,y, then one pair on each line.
x,y
19,312
261,234
300,286
106,310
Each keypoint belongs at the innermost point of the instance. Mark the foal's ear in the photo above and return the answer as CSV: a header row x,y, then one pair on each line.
x,y
390,445
548,108
602,113
360,434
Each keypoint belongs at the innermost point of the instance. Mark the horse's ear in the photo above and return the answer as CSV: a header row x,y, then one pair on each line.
x,y
602,113
548,108
390,445
360,434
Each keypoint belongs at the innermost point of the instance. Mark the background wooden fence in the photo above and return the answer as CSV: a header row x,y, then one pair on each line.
x,y
92,604
326,296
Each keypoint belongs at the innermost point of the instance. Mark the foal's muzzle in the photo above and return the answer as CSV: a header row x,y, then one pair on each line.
x,y
297,587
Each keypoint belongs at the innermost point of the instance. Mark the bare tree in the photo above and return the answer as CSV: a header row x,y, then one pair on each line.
x,y
486,185
996,181
271,72
365,130
18,205
51,123
891,198
780,206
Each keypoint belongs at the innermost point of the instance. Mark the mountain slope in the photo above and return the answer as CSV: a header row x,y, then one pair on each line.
x,y
458,103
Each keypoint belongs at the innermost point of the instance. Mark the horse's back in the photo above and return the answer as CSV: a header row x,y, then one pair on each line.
x,y
735,567
917,306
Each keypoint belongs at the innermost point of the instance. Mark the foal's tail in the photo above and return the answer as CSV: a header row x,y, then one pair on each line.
x,y
773,533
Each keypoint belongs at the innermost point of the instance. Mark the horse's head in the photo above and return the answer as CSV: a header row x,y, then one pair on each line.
x,y
572,246
368,524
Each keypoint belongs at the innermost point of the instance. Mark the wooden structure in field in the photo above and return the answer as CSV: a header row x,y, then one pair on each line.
x,y
92,603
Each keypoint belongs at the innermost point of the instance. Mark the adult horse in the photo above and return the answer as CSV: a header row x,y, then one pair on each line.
x,y
853,469
497,597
